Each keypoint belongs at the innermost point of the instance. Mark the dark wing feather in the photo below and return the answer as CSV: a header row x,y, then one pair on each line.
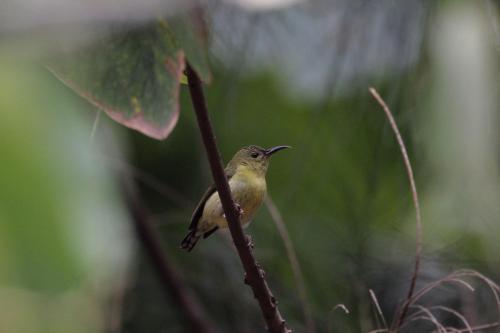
x,y
199,209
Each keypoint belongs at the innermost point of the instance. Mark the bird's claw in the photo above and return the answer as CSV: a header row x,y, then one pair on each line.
x,y
261,270
238,208
249,241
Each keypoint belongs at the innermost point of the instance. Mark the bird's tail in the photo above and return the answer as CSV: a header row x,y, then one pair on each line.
x,y
190,240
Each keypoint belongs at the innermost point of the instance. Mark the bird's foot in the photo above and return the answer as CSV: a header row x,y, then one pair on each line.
x,y
238,208
249,240
262,272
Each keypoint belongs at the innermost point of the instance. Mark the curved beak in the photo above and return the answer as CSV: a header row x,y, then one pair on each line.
x,y
272,150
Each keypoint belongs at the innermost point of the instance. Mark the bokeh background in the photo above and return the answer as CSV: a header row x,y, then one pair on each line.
x,y
279,72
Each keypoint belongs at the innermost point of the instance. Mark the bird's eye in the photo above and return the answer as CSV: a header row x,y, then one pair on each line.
x,y
254,155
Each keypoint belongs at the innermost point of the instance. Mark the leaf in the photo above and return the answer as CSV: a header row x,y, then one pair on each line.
x,y
133,75
190,31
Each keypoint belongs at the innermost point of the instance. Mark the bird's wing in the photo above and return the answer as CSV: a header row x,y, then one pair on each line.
x,y
229,171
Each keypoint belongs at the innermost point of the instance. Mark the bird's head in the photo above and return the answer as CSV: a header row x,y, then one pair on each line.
x,y
255,158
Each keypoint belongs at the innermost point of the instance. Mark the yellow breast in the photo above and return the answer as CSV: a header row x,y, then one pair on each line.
x,y
248,190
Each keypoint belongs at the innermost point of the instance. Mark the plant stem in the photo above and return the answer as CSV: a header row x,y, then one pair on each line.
x,y
254,274
401,314
171,282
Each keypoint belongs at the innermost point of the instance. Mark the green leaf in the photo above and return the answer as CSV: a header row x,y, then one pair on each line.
x,y
191,34
133,75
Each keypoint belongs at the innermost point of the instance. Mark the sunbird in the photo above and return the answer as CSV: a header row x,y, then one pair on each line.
x,y
246,174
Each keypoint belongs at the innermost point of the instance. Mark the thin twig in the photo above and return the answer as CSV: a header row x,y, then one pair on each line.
x,y
404,310
426,310
462,282
432,318
329,322
254,274
94,125
377,306
456,278
340,306
294,261
171,282
457,314
480,327
495,288
412,319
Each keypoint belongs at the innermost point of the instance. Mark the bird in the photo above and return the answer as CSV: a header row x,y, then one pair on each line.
x,y
246,175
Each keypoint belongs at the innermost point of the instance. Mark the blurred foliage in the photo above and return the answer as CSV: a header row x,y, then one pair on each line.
x,y
133,72
58,209
342,190
102,74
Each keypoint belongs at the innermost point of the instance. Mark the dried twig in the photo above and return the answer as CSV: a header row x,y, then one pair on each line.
x,y
294,261
254,274
455,277
379,309
439,327
432,318
480,327
94,125
329,322
399,318
427,310
341,306
495,288
457,314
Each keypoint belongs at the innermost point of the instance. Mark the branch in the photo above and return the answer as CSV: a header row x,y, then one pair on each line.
x,y
254,275
171,282
400,316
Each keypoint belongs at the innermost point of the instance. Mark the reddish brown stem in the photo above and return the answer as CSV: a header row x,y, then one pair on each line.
x,y
171,282
400,315
254,275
